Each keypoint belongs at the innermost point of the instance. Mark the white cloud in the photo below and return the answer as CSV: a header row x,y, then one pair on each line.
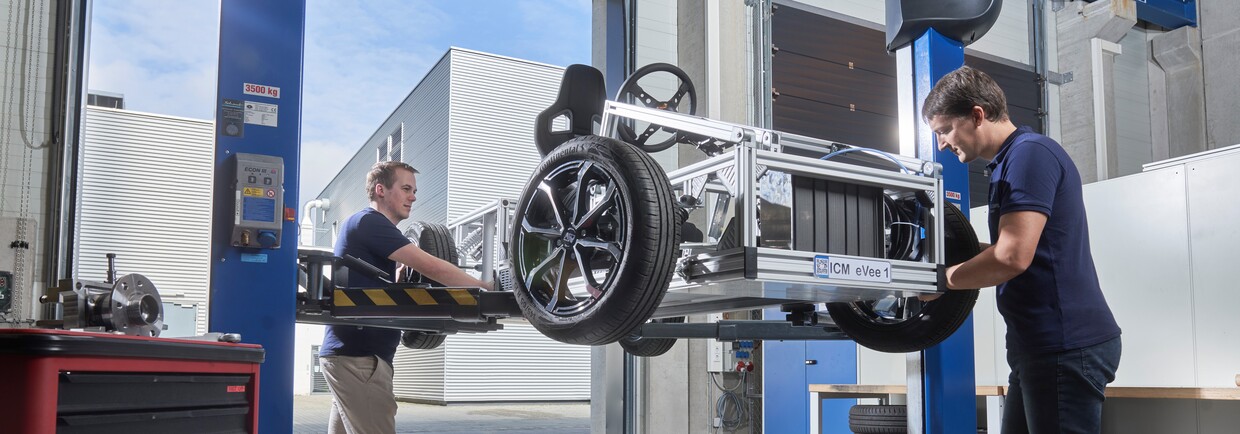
x,y
361,58
161,55
555,29
320,162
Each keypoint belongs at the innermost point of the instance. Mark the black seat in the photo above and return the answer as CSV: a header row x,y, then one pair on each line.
x,y
962,20
582,93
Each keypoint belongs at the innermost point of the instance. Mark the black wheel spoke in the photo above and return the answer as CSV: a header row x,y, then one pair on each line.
x,y
605,204
560,288
582,196
539,272
583,262
547,191
549,234
650,130
641,96
610,247
674,102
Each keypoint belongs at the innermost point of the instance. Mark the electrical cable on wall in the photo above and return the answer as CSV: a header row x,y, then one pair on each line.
x,y
739,409
22,82
26,78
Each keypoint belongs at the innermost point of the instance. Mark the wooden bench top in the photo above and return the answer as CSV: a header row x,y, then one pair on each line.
x,y
878,391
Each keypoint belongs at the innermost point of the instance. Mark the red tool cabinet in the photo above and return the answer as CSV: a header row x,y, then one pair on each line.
x,y
57,381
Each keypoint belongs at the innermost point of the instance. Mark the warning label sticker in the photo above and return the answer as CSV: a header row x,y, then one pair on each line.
x,y
257,113
252,192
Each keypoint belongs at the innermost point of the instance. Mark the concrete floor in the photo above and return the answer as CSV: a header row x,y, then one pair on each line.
x,y
310,414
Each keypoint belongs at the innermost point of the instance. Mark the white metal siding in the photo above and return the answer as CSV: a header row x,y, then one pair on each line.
x,y
427,123
146,196
1008,38
515,364
495,100
469,130
419,374
425,116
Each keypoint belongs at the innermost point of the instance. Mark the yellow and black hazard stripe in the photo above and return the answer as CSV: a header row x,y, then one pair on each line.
x,y
405,301
405,297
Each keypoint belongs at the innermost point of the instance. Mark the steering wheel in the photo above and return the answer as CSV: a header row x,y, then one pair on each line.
x,y
633,93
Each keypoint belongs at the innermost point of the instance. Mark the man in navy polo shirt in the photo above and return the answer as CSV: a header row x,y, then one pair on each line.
x,y
357,361
1062,340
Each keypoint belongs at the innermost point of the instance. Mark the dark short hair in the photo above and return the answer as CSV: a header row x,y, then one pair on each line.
x,y
957,92
384,172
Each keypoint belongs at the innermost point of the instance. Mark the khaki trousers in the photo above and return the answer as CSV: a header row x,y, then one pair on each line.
x,y
362,397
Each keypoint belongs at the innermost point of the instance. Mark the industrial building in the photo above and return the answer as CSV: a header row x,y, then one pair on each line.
x,y
446,128
667,258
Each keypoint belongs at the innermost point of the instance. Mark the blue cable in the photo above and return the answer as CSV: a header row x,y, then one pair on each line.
x,y
872,151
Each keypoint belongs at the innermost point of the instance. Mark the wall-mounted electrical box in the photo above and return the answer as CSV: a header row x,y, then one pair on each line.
x,y
258,212
723,356
717,351
6,291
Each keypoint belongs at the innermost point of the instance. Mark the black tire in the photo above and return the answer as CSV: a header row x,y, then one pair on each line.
x,y
930,322
626,227
435,240
650,347
878,419
420,340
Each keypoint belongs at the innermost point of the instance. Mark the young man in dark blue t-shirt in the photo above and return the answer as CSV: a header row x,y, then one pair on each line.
x,y
357,361
1062,340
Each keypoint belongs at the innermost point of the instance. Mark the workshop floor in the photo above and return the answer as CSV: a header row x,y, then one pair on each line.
x,y
310,417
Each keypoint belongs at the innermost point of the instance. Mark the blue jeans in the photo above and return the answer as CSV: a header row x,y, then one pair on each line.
x,y
1059,392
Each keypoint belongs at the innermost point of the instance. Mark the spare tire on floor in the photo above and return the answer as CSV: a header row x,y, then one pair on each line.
x,y
878,419
919,325
594,240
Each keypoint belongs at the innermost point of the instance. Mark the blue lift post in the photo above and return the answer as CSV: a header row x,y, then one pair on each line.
x,y
1171,14
948,380
253,290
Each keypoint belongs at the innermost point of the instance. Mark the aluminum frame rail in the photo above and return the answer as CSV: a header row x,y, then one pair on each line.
x,y
751,276
492,222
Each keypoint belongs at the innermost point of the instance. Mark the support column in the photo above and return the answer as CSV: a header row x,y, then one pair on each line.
x,y
1082,123
253,291
694,50
1178,53
1220,35
941,379
607,412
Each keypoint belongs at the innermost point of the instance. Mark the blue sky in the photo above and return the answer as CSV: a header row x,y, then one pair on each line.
x,y
361,58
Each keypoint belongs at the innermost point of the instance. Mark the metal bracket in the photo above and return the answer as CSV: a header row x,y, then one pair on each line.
x,y
1056,5
1057,78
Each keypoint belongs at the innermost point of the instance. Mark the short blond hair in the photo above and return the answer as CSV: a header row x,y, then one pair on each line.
x,y
384,173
